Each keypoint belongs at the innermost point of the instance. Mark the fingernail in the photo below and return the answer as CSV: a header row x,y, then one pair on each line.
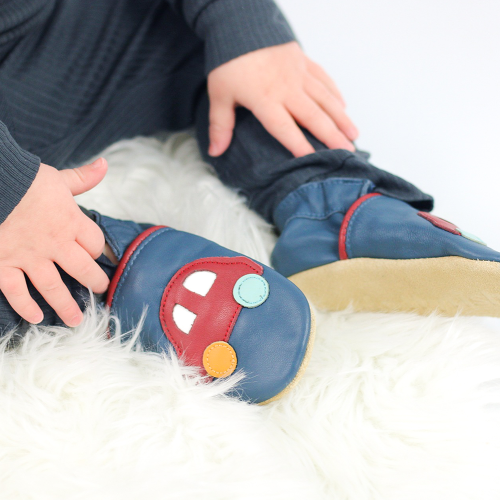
x,y
353,133
76,320
212,150
38,319
98,163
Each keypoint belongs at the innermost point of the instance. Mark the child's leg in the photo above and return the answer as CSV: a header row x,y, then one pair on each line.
x,y
217,309
265,172
347,237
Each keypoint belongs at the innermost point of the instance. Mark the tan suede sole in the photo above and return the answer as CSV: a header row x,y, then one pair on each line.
x,y
303,366
446,285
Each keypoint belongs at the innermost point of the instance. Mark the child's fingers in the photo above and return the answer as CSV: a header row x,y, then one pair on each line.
x,y
90,237
314,119
82,179
317,71
79,264
14,287
333,107
281,125
47,280
222,119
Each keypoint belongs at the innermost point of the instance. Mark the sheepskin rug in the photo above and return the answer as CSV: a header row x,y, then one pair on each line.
x,y
392,406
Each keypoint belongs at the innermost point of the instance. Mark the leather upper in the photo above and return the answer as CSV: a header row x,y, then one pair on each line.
x,y
386,228
310,220
270,340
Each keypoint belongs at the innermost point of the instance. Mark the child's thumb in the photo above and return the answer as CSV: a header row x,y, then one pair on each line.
x,y
222,118
82,179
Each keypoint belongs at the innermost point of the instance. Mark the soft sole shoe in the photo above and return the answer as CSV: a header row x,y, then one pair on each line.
x,y
218,310
375,253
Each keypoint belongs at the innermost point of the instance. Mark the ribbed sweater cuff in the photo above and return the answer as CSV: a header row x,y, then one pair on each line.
x,y
231,28
18,168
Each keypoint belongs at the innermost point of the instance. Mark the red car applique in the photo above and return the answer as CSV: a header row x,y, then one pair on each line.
x,y
201,305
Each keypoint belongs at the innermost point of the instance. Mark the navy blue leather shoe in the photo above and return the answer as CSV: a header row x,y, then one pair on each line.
x,y
217,309
343,244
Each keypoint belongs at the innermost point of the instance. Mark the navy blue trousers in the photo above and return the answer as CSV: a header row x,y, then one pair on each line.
x,y
152,78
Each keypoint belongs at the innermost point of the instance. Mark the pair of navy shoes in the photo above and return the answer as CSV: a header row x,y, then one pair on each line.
x,y
340,242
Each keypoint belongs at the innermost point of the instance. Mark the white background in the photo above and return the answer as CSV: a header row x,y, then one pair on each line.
x,y
422,83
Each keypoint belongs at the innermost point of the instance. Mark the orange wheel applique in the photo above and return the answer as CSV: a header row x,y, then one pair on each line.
x,y
219,359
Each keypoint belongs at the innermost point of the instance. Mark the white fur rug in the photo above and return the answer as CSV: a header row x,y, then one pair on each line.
x,y
392,407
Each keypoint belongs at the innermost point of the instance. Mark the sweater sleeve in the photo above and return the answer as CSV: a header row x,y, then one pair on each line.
x,y
18,168
231,28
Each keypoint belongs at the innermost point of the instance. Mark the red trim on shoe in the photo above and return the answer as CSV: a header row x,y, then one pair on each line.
x,y
124,261
345,223
441,223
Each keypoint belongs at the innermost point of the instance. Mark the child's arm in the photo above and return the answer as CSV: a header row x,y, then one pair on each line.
x,y
253,60
231,28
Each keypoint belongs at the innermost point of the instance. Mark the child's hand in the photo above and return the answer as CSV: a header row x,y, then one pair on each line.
x,y
48,227
281,86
